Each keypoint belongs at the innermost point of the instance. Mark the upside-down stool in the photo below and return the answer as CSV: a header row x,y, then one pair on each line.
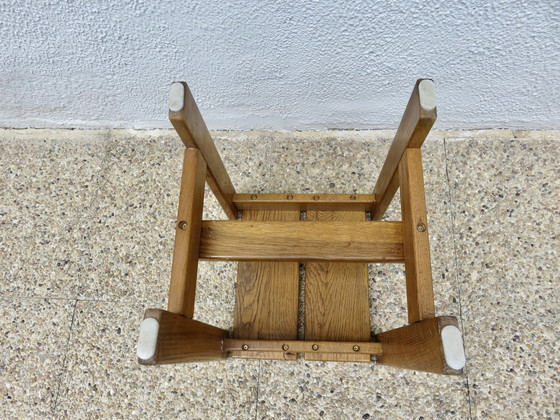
x,y
334,235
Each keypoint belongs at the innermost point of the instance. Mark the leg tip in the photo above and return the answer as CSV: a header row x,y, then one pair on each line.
x,y
176,97
147,341
453,349
427,93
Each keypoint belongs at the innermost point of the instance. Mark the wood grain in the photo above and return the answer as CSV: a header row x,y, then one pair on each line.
x,y
352,241
294,346
418,270
348,202
386,200
417,346
182,288
336,295
183,340
192,130
413,129
266,302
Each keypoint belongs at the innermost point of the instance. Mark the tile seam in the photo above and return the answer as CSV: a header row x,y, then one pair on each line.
x,y
456,263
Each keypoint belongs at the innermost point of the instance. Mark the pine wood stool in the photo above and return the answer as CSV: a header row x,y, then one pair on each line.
x,y
339,236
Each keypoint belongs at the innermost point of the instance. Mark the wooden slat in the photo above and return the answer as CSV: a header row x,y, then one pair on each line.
x,y
355,202
352,241
336,294
418,270
417,346
266,301
184,340
193,132
294,346
418,118
182,287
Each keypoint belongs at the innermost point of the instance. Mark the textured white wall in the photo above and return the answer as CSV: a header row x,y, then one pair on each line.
x,y
279,64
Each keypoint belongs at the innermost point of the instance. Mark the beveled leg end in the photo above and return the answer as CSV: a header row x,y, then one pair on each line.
x,y
432,345
166,338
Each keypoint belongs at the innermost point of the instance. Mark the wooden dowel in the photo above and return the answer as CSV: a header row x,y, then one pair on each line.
x,y
418,270
184,269
187,120
418,119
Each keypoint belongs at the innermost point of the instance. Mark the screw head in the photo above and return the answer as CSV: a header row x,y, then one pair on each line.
x,y
290,197
421,227
182,225
285,347
253,197
245,347
356,348
315,197
353,197
315,347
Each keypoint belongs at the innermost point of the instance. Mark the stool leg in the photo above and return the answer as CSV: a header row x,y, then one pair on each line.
x,y
182,288
170,338
417,266
434,345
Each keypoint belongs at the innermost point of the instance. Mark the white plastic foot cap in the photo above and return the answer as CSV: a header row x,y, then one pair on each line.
x,y
176,97
427,93
453,349
148,339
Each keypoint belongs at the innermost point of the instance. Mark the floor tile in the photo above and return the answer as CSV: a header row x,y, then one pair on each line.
x,y
34,342
104,380
90,215
505,196
49,180
345,390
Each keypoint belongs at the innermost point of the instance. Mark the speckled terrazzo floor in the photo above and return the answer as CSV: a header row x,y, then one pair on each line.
x,y
86,236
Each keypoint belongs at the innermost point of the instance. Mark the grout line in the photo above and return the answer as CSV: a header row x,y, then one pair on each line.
x,y
64,367
68,299
96,185
258,385
456,263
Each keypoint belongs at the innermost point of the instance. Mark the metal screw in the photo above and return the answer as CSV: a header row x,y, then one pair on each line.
x,y
352,197
315,197
182,225
356,348
285,347
245,347
290,197
315,347
253,197
421,227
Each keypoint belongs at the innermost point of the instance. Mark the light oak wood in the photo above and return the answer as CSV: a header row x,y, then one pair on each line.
x,y
266,301
417,346
336,294
193,132
352,241
314,347
182,288
418,270
335,241
347,202
413,129
384,204
183,340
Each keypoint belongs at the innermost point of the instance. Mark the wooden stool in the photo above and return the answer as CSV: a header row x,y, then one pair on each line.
x,y
336,240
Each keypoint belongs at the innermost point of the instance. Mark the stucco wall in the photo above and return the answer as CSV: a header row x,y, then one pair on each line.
x,y
279,64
